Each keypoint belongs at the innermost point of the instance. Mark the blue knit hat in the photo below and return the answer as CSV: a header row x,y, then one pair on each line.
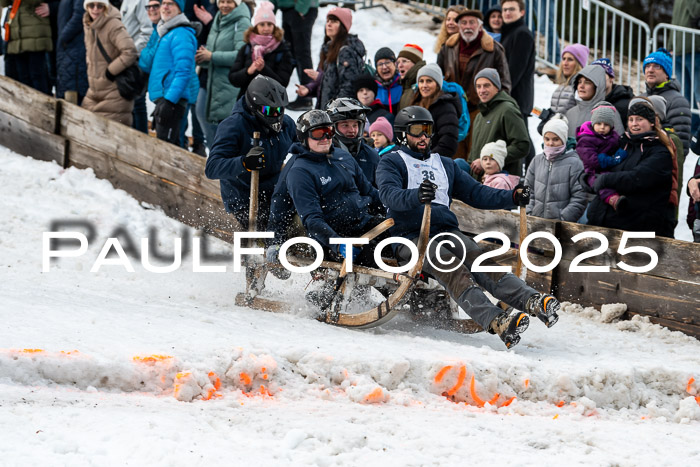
x,y
607,66
181,4
661,57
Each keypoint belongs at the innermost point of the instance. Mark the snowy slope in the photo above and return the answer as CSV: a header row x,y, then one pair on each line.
x,y
113,367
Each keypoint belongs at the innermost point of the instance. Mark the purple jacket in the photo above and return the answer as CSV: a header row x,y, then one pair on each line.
x,y
589,144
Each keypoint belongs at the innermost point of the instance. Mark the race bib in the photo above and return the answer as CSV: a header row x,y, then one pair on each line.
x,y
430,169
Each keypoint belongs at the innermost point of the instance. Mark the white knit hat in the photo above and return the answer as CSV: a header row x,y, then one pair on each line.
x,y
497,151
87,2
558,125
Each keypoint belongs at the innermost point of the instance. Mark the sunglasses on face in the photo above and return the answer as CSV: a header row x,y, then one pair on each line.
x,y
419,129
320,133
93,6
152,7
269,111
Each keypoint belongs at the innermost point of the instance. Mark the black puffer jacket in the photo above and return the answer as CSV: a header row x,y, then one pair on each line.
x,y
338,76
677,110
445,112
620,96
645,179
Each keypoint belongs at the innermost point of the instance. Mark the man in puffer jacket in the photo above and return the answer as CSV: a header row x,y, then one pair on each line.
x,y
169,58
658,69
30,39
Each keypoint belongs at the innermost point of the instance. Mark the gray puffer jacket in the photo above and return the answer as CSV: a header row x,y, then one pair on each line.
x,y
581,112
556,191
563,98
678,114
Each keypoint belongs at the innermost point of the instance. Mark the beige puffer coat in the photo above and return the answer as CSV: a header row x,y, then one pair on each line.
x,y
103,96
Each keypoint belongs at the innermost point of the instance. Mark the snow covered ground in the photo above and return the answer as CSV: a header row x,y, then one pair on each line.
x,y
139,368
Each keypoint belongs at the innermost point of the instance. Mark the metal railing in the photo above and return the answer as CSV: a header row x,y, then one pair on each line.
x,y
608,32
685,45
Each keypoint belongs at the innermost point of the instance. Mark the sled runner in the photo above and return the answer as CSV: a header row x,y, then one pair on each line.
x,y
426,301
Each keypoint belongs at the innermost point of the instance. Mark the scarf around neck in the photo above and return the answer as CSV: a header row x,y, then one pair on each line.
x,y
262,45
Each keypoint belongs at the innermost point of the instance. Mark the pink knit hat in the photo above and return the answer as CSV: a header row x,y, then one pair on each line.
x,y
579,51
343,14
264,13
383,126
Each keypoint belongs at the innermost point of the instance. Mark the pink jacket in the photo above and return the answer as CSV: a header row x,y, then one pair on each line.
x,y
501,181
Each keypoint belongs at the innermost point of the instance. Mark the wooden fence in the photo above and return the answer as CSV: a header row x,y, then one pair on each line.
x,y
161,174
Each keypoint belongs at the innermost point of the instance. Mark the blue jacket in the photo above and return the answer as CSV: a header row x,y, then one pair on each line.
x,y
170,61
407,211
390,95
71,67
234,138
330,193
368,159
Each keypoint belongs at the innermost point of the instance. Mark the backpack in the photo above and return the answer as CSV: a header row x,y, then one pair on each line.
x,y
464,121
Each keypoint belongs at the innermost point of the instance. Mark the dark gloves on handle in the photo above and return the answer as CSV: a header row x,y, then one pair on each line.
x,y
426,191
521,195
255,159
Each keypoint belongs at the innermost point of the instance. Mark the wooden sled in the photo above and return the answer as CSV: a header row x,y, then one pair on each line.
x,y
398,288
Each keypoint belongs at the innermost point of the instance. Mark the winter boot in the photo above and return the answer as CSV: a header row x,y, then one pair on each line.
x,y
509,326
545,307
199,149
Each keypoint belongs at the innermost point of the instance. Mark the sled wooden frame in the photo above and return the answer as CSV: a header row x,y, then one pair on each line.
x,y
377,315
161,175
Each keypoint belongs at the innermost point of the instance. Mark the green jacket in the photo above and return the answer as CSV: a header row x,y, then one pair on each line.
x,y
301,6
686,13
28,32
224,41
500,118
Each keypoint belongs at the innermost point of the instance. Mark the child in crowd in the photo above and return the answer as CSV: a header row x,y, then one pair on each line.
x,y
598,147
554,175
493,155
381,132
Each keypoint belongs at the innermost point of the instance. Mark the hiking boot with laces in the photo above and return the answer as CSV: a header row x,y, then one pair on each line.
x,y
545,307
509,325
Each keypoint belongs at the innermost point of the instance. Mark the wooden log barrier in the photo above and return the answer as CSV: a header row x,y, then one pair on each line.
x,y
161,174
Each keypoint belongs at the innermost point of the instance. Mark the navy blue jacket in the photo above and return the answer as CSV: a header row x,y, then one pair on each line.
x,y
407,211
330,193
234,138
368,159
70,49
281,206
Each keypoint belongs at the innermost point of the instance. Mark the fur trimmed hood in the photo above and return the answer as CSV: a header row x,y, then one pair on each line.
x,y
486,41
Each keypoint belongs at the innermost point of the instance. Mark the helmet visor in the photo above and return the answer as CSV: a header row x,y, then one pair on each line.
x,y
419,129
320,133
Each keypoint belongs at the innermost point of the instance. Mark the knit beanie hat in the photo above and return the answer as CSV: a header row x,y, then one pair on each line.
x,y
607,66
432,71
104,2
660,105
662,58
579,51
365,81
603,112
642,108
383,126
412,52
264,13
385,53
343,14
180,3
497,151
490,74
558,125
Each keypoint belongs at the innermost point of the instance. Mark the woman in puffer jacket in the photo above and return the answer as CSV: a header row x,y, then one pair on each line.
x,y
102,21
573,58
444,107
342,60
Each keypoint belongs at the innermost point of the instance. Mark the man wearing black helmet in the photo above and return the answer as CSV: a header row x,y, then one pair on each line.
x,y
233,155
349,117
410,177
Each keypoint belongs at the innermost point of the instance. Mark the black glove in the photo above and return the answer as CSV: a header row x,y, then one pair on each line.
x,y
599,183
255,159
168,114
426,191
109,75
521,195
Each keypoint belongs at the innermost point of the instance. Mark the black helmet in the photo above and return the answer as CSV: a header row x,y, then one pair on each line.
x,y
309,121
347,108
408,116
266,99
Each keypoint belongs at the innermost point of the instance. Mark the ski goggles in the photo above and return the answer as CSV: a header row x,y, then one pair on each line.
x,y
269,111
318,134
419,129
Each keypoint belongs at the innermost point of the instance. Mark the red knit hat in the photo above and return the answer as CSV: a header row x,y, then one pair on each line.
x,y
343,14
